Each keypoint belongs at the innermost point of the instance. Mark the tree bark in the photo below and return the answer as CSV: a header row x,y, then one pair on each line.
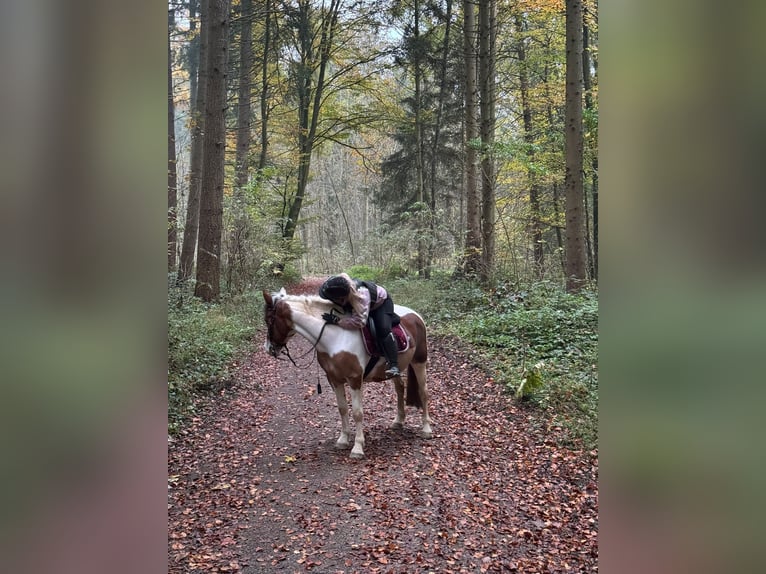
x,y
437,132
264,96
208,284
243,94
419,167
310,98
590,106
191,226
472,253
172,174
576,272
535,225
487,52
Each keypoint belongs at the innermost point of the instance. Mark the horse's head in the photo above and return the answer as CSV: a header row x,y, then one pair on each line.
x,y
279,323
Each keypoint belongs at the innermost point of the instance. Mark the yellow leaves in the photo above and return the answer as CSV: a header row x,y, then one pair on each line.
x,y
544,6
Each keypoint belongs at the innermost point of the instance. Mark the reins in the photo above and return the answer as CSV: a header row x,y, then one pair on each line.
x,y
286,351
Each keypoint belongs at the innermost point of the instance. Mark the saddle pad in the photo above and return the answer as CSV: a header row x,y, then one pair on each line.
x,y
402,340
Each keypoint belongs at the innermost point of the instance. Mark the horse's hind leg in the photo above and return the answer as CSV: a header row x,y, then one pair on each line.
x,y
400,413
420,373
340,395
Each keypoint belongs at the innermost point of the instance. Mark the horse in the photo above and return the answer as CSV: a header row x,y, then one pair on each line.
x,y
344,358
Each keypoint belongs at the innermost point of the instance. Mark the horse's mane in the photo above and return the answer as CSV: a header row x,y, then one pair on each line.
x,y
310,304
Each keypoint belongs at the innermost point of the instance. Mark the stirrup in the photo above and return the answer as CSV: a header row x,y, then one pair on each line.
x,y
393,371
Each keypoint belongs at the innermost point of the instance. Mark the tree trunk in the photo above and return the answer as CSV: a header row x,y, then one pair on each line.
x,y
590,106
472,253
264,98
419,167
535,225
437,131
191,227
208,285
487,51
576,271
243,94
172,175
310,99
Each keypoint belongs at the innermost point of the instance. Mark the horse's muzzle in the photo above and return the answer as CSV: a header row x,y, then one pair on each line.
x,y
272,349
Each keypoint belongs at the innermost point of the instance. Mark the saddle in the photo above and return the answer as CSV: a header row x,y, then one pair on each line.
x,y
401,336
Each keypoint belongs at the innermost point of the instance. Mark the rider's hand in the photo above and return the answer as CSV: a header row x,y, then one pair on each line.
x,y
330,318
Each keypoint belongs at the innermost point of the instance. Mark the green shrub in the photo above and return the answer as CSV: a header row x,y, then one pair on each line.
x,y
543,326
202,341
365,272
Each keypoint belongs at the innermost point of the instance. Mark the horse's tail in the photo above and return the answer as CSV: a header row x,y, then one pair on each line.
x,y
417,395
413,388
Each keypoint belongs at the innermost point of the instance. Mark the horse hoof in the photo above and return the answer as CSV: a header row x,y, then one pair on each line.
x,y
357,455
427,434
341,445
397,426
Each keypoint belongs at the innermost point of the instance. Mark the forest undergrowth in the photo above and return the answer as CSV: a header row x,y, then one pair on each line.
x,y
537,341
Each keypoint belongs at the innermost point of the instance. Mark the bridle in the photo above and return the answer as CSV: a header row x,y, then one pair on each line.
x,y
283,348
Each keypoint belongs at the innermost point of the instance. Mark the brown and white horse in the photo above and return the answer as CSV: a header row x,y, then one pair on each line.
x,y
343,356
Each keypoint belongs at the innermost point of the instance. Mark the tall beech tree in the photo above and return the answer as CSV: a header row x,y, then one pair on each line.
x,y
172,174
535,215
198,50
487,89
576,271
243,93
208,284
314,30
472,251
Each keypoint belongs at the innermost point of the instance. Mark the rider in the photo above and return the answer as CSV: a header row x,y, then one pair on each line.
x,y
363,299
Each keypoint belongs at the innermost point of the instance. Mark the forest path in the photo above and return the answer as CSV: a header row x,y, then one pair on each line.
x,y
256,485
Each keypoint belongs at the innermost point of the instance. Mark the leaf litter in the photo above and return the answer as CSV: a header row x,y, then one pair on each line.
x,y
256,485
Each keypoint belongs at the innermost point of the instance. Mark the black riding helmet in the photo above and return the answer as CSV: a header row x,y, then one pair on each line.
x,y
334,288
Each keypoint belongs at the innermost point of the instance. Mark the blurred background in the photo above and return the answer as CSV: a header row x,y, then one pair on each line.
x,y
83,225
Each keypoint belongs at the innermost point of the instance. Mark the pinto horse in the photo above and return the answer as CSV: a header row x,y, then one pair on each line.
x,y
343,357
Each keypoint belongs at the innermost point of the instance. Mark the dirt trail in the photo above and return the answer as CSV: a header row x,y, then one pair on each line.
x,y
256,485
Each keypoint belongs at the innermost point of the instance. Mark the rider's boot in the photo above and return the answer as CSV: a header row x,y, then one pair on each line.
x,y
391,353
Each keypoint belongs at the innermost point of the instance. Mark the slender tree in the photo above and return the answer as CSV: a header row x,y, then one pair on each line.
x,y
535,224
198,50
172,175
417,72
472,252
590,106
576,272
487,57
445,53
311,76
211,200
264,92
243,93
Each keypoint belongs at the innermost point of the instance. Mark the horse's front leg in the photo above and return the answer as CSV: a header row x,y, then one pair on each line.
x,y
340,395
400,414
358,412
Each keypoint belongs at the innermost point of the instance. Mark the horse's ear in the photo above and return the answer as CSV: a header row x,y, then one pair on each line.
x,y
267,297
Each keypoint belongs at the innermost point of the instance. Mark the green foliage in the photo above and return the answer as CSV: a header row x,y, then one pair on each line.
x,y
254,252
203,339
511,328
531,381
364,272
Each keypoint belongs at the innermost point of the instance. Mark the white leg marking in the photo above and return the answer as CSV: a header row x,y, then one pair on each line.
x,y
340,395
420,371
356,409
400,414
